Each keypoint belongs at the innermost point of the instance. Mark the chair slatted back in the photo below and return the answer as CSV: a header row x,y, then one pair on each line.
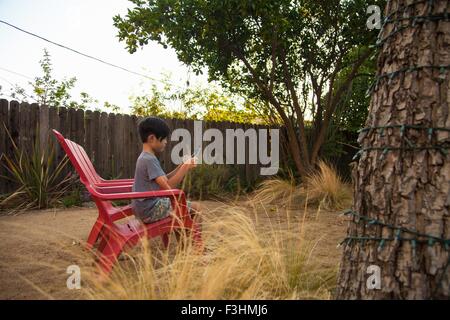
x,y
75,153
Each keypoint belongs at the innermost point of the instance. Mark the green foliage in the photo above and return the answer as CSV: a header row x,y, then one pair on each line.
x,y
353,108
73,198
207,181
110,106
209,104
38,186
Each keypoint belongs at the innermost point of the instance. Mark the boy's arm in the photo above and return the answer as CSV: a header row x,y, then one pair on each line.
x,y
165,182
171,173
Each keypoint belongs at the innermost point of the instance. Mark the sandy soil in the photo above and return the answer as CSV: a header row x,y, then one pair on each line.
x,y
37,247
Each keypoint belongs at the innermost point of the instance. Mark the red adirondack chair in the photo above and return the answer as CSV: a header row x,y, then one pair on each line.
x,y
115,236
85,169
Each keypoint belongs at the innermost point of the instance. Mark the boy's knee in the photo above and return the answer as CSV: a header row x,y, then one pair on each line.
x,y
196,207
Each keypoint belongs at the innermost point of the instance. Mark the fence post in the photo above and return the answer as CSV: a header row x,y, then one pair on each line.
x,y
44,129
4,141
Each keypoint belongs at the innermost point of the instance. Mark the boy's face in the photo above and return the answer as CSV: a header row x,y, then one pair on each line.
x,y
156,144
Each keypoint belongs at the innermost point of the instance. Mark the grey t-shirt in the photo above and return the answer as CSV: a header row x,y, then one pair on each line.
x,y
148,169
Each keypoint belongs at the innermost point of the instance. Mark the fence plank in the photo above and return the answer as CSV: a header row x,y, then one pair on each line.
x,y
88,132
53,123
111,162
14,124
64,129
119,145
165,159
95,140
64,125
44,129
4,126
79,127
125,146
189,125
177,124
103,146
128,151
72,130
136,145
34,124
24,127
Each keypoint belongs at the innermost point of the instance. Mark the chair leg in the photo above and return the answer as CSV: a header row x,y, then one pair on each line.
x,y
109,256
103,242
197,237
94,234
165,240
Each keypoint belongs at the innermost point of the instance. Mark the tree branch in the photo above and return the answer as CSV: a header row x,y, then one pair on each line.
x,y
334,99
299,113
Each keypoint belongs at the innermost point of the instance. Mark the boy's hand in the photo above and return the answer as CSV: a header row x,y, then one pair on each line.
x,y
190,162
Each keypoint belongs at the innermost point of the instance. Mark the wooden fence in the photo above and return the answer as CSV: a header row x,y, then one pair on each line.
x,y
110,140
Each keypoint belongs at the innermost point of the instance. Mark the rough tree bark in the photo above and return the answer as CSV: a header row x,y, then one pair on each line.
x,y
406,186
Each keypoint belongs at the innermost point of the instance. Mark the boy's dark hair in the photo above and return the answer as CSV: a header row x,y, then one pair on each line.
x,y
153,125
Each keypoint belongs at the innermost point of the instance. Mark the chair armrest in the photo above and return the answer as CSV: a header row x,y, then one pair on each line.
x,y
114,189
172,193
177,197
112,183
116,181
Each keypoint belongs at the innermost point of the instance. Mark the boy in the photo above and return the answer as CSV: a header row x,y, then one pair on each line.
x,y
149,175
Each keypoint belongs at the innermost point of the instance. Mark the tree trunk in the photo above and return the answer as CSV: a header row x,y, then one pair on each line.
x,y
407,185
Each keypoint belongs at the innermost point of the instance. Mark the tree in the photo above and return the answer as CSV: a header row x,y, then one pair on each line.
x,y
286,53
397,244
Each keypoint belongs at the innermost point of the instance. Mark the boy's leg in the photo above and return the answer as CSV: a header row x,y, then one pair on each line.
x,y
160,210
194,209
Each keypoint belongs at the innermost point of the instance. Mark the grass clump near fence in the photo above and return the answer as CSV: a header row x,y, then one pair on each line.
x,y
323,188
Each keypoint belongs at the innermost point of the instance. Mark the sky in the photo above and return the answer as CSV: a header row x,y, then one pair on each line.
x,y
86,26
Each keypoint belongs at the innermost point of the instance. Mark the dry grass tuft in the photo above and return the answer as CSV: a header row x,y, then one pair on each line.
x,y
242,262
327,189
274,191
323,188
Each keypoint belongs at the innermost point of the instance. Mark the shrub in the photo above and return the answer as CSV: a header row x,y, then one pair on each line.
x,y
207,181
38,185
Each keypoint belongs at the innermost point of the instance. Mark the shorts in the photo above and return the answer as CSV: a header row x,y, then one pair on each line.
x,y
160,210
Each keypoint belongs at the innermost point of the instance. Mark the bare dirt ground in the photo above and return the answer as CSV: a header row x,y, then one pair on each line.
x,y
37,247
